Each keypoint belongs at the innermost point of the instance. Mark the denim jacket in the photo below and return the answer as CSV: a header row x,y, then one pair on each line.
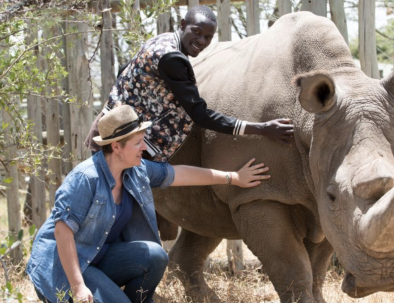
x,y
84,202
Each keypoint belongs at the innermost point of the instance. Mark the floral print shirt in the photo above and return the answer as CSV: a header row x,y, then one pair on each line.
x,y
159,83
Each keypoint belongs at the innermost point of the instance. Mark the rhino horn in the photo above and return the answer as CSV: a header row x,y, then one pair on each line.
x,y
376,227
316,91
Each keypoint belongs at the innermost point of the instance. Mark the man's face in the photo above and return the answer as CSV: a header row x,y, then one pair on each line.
x,y
197,35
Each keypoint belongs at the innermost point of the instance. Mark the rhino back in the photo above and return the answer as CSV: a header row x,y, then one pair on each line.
x,y
251,80
256,72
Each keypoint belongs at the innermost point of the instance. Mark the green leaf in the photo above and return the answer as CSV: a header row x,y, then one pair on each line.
x,y
32,230
11,240
9,286
8,180
20,235
20,297
3,250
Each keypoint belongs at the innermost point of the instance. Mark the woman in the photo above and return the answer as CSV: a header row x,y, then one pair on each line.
x,y
102,233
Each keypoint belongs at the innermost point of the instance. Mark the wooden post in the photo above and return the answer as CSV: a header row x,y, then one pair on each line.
x,y
224,24
13,204
235,255
37,181
225,35
65,113
106,53
80,88
252,17
367,38
318,7
191,3
338,16
285,7
53,125
163,23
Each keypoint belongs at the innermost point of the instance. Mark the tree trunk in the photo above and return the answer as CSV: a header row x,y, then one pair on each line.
x,y
318,7
191,3
65,113
13,204
252,17
163,23
53,126
235,256
338,16
37,181
367,38
106,53
224,24
80,88
285,7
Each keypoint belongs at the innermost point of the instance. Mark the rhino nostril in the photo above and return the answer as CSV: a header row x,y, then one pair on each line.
x,y
374,189
373,180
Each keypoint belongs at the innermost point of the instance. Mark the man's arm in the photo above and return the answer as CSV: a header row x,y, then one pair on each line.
x,y
176,71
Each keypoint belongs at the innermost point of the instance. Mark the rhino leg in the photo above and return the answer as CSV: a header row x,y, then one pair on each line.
x,y
168,230
268,230
320,255
189,254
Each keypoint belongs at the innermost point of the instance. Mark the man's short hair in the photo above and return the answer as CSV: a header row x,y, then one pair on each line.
x,y
199,9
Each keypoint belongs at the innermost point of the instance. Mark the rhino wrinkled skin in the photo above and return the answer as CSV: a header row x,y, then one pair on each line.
x,y
333,189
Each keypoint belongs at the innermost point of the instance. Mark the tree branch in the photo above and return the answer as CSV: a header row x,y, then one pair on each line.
x,y
40,43
23,6
384,35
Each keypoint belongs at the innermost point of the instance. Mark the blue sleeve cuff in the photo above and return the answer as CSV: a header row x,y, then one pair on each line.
x,y
169,178
160,174
66,217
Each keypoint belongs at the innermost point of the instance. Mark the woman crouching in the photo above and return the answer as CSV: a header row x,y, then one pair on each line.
x,y
102,233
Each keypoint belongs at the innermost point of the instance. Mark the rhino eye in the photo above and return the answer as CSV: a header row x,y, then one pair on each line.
x,y
330,193
331,197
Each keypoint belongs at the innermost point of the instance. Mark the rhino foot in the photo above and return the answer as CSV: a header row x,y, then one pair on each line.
x,y
202,294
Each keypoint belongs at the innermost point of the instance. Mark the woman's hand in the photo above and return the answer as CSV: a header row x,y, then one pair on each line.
x,y
82,294
249,176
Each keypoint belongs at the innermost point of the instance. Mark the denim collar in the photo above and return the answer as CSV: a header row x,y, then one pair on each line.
x,y
100,159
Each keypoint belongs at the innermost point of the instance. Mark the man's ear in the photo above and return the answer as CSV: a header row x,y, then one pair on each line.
x,y
183,24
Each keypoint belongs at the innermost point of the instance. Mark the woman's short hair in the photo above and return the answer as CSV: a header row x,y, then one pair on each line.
x,y
107,149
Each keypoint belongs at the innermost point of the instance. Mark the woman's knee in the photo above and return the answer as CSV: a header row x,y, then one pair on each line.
x,y
158,255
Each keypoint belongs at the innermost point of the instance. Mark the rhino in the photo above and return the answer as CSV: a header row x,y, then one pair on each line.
x,y
331,190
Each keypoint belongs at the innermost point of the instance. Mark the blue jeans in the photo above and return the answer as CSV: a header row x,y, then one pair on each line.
x,y
138,266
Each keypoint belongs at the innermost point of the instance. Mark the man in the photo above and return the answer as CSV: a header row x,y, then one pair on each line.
x,y
159,84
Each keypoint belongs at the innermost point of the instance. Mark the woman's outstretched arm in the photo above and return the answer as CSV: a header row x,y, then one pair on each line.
x,y
248,176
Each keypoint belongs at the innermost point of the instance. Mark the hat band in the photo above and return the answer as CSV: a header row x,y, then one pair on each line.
x,y
125,129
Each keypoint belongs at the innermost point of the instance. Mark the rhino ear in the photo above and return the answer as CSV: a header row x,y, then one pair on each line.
x,y
315,91
388,83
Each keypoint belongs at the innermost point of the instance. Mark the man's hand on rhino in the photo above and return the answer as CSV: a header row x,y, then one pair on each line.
x,y
249,176
280,130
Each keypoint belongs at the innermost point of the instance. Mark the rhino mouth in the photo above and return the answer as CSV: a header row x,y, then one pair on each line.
x,y
349,286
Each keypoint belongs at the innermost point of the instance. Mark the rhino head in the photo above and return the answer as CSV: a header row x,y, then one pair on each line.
x,y
352,167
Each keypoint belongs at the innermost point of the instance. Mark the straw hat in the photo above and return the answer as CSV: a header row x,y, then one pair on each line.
x,y
120,122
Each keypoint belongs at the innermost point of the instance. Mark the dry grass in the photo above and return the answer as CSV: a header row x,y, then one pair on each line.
x,y
249,286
